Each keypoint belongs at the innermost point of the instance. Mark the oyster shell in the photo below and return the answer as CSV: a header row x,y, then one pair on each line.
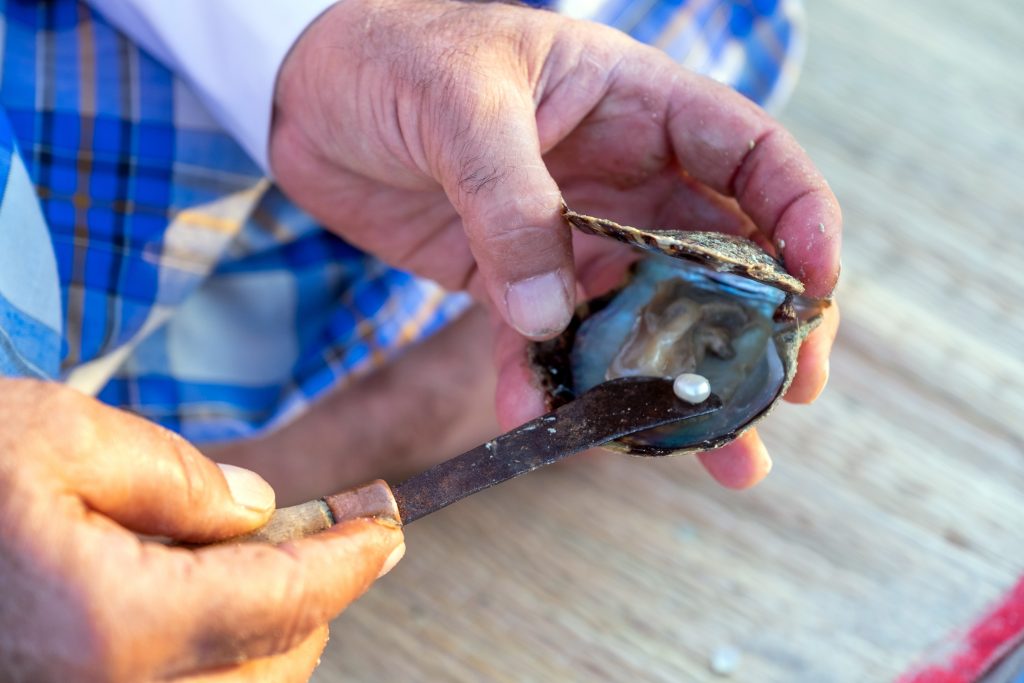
x,y
702,302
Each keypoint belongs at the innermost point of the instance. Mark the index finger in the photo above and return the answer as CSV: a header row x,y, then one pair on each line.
x,y
731,145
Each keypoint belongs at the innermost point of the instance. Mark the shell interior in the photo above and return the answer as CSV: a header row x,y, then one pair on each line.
x,y
674,317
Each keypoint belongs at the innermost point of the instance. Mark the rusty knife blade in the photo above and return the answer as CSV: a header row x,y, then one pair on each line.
x,y
607,412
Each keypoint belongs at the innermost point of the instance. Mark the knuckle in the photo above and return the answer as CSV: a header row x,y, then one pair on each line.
x,y
282,617
507,251
292,598
478,173
521,217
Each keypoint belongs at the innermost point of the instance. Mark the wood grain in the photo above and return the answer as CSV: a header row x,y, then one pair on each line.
x,y
895,513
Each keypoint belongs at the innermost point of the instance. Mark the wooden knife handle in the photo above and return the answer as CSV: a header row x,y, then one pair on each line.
x,y
370,501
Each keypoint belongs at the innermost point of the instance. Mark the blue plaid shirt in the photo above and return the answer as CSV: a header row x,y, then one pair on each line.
x,y
144,257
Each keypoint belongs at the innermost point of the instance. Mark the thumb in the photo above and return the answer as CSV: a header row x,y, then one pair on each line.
x,y
511,210
149,479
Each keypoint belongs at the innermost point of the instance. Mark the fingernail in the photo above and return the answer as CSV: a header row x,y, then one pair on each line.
x,y
824,382
539,306
397,554
762,461
248,489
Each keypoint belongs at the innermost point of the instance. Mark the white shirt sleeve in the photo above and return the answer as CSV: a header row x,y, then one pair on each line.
x,y
228,51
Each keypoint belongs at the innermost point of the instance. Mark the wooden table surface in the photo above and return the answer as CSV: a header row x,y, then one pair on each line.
x,y
895,512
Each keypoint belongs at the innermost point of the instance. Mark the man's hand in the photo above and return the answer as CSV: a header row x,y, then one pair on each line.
x,y
441,136
82,598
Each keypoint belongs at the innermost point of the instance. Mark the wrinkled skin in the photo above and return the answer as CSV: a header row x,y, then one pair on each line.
x,y
442,136
83,599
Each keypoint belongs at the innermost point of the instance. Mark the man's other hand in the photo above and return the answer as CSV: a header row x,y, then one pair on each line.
x,y
83,598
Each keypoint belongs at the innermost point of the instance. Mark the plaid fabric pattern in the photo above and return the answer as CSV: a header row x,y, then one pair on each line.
x,y
143,257
755,46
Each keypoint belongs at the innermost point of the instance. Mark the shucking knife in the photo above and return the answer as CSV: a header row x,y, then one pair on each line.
x,y
607,412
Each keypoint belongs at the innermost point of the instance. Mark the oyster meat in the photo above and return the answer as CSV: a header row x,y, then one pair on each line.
x,y
704,303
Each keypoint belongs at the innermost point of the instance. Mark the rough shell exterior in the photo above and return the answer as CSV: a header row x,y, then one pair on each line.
x,y
724,253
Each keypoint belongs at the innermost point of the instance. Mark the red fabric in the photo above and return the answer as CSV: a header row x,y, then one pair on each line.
x,y
995,635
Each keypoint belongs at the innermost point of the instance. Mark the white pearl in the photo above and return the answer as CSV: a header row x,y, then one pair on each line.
x,y
725,660
692,388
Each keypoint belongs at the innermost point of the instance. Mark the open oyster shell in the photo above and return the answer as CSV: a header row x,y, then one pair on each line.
x,y
703,302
